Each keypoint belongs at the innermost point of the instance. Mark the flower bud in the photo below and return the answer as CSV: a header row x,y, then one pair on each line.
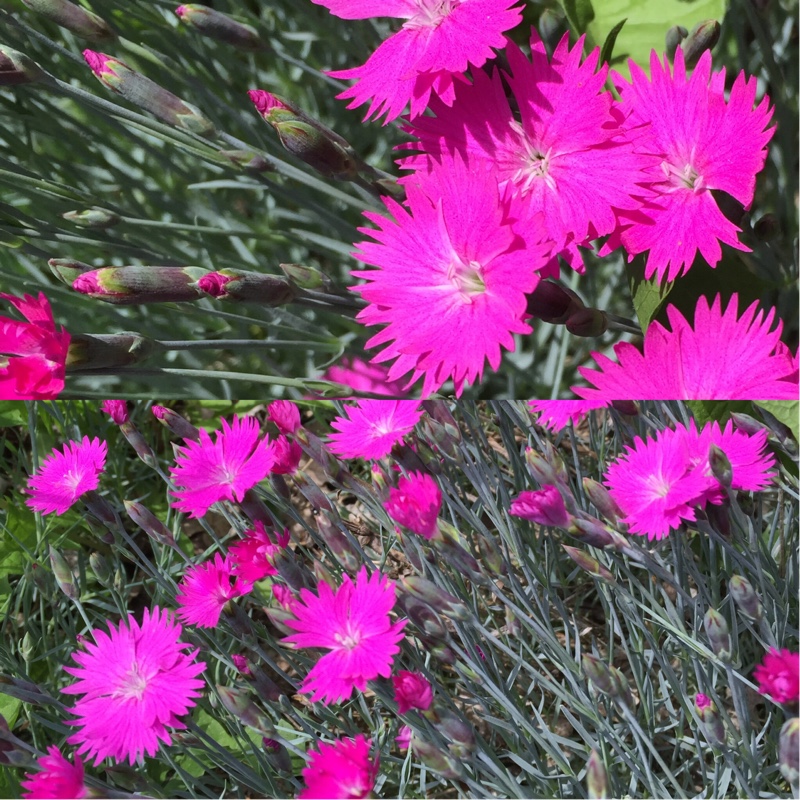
x,y
704,36
423,616
219,26
101,569
412,690
436,598
250,287
491,556
97,218
435,759
675,35
453,553
442,652
626,407
75,19
720,465
750,425
277,755
596,777
278,617
788,750
589,564
556,462
16,68
306,277
544,507
621,689
124,286
240,703
539,467
176,424
767,228
139,444
249,161
265,687
553,302
149,523
552,27
67,269
64,577
599,674
457,729
304,137
338,543
27,648
745,597
719,635
602,500
710,720
135,88
87,351
290,569
587,322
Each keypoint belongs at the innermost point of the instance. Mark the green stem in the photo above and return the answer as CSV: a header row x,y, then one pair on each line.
x,y
249,344
161,372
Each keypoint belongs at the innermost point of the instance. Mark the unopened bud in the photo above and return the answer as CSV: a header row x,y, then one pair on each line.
x,y
491,556
626,407
219,26
16,68
306,277
788,750
587,322
710,720
134,87
98,218
149,523
67,269
277,755
290,569
248,160
87,351
621,689
552,27
745,597
101,569
64,577
27,647
240,703
250,287
704,36
175,423
435,759
449,548
539,467
137,285
589,564
720,465
457,729
599,674
544,507
138,443
553,302
338,543
750,425
323,574
675,35
278,617
442,652
596,777
602,500
719,635
75,19
436,598
556,462
767,228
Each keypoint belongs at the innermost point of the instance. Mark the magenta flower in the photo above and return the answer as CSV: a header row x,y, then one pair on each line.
x,y
284,595
137,680
703,142
340,770
57,778
116,409
721,357
285,414
569,157
544,507
371,428
778,676
240,662
206,588
206,472
416,503
438,38
452,276
353,623
557,414
411,690
64,476
364,378
252,557
33,354
287,456
403,737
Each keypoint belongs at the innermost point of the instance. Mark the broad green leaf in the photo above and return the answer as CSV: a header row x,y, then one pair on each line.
x,y
647,24
705,411
648,294
12,413
9,709
785,411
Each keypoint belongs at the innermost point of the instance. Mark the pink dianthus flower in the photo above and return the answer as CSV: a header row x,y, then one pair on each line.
x,y
411,690
206,472
116,409
544,507
137,681
353,623
569,157
287,456
371,428
285,414
557,414
778,676
703,142
720,357
64,476
340,770
253,556
438,40
57,778
452,276
364,377
416,503
403,737
33,354
206,588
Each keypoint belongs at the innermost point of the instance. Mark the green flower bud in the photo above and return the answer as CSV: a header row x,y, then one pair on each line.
x,y
602,500
219,26
97,218
587,322
718,634
491,556
149,523
436,598
591,531
710,720
788,750
101,569
704,36
745,597
16,68
347,555
250,287
75,19
306,277
239,702
675,35
87,352
589,564
248,161
720,465
553,302
596,777
64,577
599,674
435,759
27,647
139,285
67,269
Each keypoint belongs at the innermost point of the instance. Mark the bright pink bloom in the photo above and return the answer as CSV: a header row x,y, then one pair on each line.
x,y
703,142
33,354
116,409
439,40
353,623
240,662
284,595
557,414
416,503
411,690
340,770
57,778
721,357
569,158
253,556
403,737
137,681
206,472
778,676
371,428
544,507
364,377
453,276
287,456
64,476
206,588
702,701
285,414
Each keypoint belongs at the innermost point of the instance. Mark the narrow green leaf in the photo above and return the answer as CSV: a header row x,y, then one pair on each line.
x,y
611,39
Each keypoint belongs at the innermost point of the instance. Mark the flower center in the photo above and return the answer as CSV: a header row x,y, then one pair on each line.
x,y
431,13
348,639
681,173
73,478
133,685
658,485
466,277
535,162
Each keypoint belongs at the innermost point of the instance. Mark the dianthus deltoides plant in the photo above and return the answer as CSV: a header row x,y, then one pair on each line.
x,y
538,201
398,599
